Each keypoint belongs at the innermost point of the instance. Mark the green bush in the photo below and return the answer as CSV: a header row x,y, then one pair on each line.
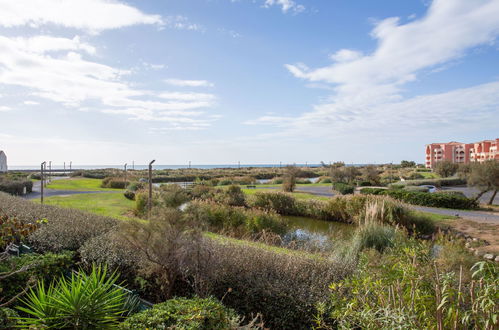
x,y
65,229
343,188
129,194
375,236
183,313
238,220
81,302
114,183
325,180
8,318
416,188
40,266
141,199
135,186
280,202
232,196
172,195
16,187
451,201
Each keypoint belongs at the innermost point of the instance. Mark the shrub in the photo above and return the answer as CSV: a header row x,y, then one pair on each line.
x,y
232,196
416,188
201,191
237,220
279,202
129,194
434,182
113,182
184,313
135,186
141,200
8,318
283,286
65,229
325,180
15,187
81,302
172,195
451,201
38,267
343,188
225,182
374,236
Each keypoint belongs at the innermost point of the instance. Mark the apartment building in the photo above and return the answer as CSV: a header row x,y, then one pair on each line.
x,y
461,153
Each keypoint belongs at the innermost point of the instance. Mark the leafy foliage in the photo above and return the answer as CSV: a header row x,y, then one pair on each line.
x,y
80,302
452,201
183,313
343,188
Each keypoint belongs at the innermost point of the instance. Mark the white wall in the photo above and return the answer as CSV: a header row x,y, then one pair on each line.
x,y
3,162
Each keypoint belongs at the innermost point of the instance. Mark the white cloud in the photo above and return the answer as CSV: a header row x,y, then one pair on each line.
x,y
31,102
187,96
189,83
89,15
367,89
5,108
69,79
286,5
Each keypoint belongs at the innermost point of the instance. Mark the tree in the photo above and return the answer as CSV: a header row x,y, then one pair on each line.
x,y
446,168
407,163
289,179
485,177
370,173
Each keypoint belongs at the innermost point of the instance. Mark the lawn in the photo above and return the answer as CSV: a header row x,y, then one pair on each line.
x,y
108,204
79,184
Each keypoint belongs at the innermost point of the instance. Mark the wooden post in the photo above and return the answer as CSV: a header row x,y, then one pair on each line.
x,y
125,174
41,178
149,200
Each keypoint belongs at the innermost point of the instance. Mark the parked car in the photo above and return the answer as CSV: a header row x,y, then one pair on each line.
x,y
430,188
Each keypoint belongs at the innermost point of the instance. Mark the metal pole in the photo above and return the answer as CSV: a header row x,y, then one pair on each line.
x,y
133,165
64,168
42,165
50,171
149,201
70,163
189,164
239,164
125,174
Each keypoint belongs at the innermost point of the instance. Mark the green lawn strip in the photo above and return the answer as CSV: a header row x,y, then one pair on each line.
x,y
436,217
79,184
106,204
429,175
228,240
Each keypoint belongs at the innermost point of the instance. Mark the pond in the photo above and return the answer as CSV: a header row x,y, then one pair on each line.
x,y
315,232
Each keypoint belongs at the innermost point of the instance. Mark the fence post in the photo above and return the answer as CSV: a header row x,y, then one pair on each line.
x,y
41,181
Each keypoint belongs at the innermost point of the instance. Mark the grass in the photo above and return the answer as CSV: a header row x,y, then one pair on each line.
x,y
79,184
106,204
297,195
429,175
229,240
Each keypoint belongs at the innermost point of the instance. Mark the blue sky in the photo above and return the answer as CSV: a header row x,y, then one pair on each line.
x,y
256,81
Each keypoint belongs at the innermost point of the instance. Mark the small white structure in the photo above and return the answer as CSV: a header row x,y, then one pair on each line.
x,y
3,161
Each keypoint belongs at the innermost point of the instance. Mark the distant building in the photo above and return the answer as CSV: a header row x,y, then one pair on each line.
x,y
462,153
3,161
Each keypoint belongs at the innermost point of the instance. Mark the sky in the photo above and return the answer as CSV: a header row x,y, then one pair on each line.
x,y
255,81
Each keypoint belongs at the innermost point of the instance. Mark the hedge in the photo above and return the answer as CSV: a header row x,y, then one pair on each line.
x,y
451,201
433,182
16,187
184,313
343,188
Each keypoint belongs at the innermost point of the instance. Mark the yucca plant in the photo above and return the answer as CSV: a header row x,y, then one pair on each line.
x,y
83,301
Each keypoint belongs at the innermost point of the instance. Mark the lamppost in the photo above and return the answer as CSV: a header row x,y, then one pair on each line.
x,y
50,171
42,167
149,201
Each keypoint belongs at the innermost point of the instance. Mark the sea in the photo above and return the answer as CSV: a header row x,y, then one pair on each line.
x,y
156,167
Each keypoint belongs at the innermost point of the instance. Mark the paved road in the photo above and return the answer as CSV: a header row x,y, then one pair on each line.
x,y
472,192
